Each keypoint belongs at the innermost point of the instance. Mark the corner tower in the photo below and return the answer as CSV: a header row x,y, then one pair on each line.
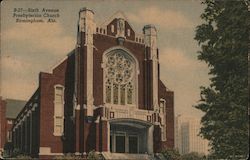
x,y
86,29
150,40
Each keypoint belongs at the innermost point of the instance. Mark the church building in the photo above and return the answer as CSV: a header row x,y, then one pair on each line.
x,y
104,96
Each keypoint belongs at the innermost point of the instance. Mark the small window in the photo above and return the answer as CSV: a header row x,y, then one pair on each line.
x,y
128,32
112,28
97,29
100,30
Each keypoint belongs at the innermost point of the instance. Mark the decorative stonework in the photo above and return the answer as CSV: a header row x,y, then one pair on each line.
x,y
119,76
120,28
87,25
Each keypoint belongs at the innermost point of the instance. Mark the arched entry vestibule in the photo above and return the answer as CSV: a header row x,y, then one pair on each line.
x,y
130,136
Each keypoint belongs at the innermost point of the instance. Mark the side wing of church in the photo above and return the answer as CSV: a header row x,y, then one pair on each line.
x,y
106,96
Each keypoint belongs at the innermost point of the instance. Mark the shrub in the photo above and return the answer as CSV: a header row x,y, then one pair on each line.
x,y
193,156
92,155
171,154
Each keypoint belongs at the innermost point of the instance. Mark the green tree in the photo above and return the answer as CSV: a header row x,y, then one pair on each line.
x,y
223,38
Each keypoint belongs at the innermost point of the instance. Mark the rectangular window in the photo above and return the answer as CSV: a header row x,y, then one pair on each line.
x,y
128,31
59,110
58,125
58,94
112,28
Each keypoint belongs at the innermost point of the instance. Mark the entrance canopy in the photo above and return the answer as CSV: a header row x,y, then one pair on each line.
x,y
130,136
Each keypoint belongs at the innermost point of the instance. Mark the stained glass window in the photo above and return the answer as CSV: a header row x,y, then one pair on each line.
x,y
129,93
119,76
122,94
115,94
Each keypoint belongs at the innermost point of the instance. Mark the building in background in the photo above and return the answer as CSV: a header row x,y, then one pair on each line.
x,y
186,136
106,95
9,108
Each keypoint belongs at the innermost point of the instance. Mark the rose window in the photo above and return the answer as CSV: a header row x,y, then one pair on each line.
x,y
119,78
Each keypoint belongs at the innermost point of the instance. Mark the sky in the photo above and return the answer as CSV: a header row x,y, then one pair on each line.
x,y
29,48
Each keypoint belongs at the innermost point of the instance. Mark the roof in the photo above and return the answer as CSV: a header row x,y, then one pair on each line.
x,y
13,107
118,14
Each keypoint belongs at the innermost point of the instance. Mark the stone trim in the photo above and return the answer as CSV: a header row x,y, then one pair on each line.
x,y
47,151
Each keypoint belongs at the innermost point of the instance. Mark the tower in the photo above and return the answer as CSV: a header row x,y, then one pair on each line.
x,y
85,38
150,39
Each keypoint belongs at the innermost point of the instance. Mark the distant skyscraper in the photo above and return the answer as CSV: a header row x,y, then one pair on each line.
x,y
186,136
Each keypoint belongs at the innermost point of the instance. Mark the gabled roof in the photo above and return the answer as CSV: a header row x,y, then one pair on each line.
x,y
13,107
118,14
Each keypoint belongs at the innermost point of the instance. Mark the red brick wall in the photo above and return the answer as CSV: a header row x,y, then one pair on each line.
x,y
104,132
157,139
169,97
114,22
170,119
47,139
2,122
63,75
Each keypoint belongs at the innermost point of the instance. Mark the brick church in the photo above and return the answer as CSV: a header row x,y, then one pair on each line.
x,y
105,95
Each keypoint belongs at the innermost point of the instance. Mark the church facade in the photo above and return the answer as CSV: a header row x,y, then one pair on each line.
x,y
106,96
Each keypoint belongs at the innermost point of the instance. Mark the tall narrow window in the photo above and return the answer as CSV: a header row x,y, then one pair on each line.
x,y
128,32
119,78
58,110
163,112
112,28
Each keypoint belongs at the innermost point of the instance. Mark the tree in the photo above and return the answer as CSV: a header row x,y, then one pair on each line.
x,y
223,38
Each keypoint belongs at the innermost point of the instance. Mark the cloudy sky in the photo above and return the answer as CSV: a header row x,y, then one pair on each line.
x,y
27,49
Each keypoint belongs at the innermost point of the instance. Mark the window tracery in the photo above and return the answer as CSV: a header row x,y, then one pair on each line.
x,y
119,78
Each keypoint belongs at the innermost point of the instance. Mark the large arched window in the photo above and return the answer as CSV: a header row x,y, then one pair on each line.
x,y
119,78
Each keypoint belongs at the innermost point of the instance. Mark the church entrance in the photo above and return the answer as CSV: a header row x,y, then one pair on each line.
x,y
129,137
124,143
